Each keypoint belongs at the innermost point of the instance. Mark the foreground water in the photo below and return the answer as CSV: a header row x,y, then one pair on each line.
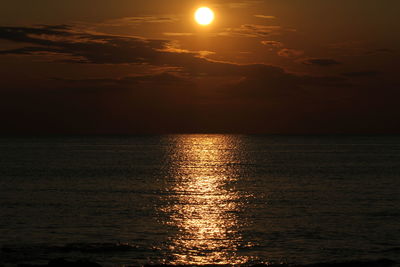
x,y
199,199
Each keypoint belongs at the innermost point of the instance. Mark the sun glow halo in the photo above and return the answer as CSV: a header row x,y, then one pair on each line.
x,y
204,16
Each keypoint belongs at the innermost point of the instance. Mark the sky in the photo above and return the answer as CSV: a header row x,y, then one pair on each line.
x,y
138,67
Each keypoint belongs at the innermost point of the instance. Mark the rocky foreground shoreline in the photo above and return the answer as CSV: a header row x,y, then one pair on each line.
x,y
85,263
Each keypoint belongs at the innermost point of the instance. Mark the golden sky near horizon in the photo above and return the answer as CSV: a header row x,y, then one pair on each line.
x,y
260,66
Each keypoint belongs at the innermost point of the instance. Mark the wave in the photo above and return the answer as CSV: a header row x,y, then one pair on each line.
x,y
85,263
75,247
97,247
29,255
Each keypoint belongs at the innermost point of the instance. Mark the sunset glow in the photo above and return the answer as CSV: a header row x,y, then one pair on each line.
x,y
173,66
199,133
204,16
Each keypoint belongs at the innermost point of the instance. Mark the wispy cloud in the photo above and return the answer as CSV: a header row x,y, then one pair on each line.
x,y
290,53
272,44
360,74
264,17
323,62
138,20
379,51
358,48
178,34
278,47
240,4
251,30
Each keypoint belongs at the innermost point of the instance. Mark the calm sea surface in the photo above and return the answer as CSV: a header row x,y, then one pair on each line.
x,y
199,199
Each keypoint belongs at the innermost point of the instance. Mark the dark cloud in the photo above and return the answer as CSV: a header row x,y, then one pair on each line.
x,y
110,49
197,95
91,48
323,62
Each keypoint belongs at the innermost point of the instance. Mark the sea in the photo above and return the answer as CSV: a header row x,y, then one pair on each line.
x,y
199,199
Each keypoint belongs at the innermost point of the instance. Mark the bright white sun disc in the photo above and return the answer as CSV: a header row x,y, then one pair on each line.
x,y
204,16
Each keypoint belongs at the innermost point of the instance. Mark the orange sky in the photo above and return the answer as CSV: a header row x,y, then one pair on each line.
x,y
272,66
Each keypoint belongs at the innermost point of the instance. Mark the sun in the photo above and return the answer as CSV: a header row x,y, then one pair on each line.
x,y
204,16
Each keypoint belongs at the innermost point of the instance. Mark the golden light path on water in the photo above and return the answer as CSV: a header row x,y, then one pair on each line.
x,y
204,204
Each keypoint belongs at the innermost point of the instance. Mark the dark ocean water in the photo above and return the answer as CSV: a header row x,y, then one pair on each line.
x,y
199,199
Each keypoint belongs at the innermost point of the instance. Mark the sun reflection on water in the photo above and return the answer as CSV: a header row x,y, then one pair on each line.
x,y
204,204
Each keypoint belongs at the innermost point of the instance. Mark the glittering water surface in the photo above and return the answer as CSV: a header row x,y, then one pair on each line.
x,y
203,202
199,199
